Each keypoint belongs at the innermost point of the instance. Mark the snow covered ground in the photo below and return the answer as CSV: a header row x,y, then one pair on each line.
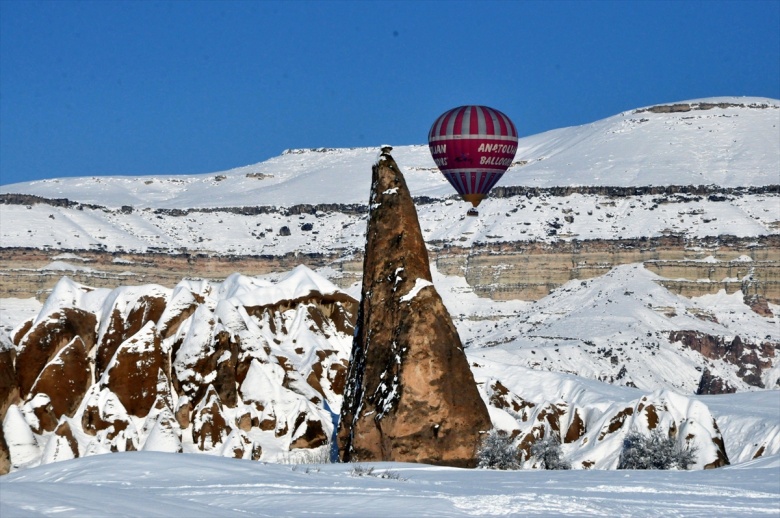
x,y
729,147
157,484
725,147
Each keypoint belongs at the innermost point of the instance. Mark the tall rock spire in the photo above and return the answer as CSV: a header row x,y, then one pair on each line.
x,y
410,393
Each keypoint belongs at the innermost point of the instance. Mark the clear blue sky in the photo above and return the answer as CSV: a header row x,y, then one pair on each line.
x,y
138,88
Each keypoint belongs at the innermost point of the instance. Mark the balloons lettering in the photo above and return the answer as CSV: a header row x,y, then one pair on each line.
x,y
473,146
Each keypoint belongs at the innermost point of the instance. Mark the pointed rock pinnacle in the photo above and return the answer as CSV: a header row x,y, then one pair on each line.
x,y
410,393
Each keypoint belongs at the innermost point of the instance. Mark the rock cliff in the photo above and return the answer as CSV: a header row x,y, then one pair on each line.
x,y
242,368
410,393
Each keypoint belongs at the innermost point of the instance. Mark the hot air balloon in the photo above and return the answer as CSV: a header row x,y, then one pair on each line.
x,y
473,146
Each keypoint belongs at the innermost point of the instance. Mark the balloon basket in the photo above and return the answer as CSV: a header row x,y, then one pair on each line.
x,y
472,212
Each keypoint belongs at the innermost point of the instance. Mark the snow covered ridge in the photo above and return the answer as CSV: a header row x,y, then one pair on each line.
x,y
251,369
243,368
524,215
733,144
625,328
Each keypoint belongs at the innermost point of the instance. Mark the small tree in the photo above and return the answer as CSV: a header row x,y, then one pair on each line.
x,y
548,453
497,452
654,451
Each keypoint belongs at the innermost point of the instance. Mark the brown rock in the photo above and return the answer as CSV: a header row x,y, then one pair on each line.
x,y
5,454
410,393
209,426
244,421
43,411
750,358
501,397
760,305
64,431
65,379
212,356
45,339
104,411
576,429
712,384
9,388
144,309
134,371
257,452
183,412
308,433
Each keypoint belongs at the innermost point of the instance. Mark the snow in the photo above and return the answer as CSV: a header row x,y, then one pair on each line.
x,y
419,284
733,147
597,327
729,147
14,312
557,351
163,484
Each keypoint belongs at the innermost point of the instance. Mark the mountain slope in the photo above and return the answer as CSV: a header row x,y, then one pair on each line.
x,y
733,143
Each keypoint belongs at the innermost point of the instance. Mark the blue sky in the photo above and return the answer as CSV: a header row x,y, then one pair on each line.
x,y
143,88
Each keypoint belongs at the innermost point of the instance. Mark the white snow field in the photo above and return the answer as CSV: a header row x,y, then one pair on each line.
x,y
158,484
736,146
731,147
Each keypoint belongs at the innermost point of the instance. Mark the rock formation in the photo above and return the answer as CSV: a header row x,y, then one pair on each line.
x,y
410,393
203,367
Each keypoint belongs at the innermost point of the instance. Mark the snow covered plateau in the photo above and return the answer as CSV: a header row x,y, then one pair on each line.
x,y
624,276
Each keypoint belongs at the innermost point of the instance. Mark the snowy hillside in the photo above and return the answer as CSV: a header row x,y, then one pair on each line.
x,y
734,146
252,368
626,329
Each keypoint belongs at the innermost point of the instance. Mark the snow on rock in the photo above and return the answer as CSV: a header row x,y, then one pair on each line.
x,y
165,434
418,285
626,328
189,369
591,427
22,444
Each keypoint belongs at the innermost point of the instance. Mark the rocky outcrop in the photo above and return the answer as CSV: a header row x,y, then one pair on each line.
x,y
686,107
204,366
65,379
410,393
587,430
9,388
713,384
752,359
45,339
136,388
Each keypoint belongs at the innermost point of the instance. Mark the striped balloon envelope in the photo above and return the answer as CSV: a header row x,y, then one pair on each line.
x,y
473,146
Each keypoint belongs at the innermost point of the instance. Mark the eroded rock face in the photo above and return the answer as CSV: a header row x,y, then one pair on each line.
x,y
752,359
9,388
121,324
585,429
210,427
713,384
133,371
66,378
45,339
174,360
410,393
